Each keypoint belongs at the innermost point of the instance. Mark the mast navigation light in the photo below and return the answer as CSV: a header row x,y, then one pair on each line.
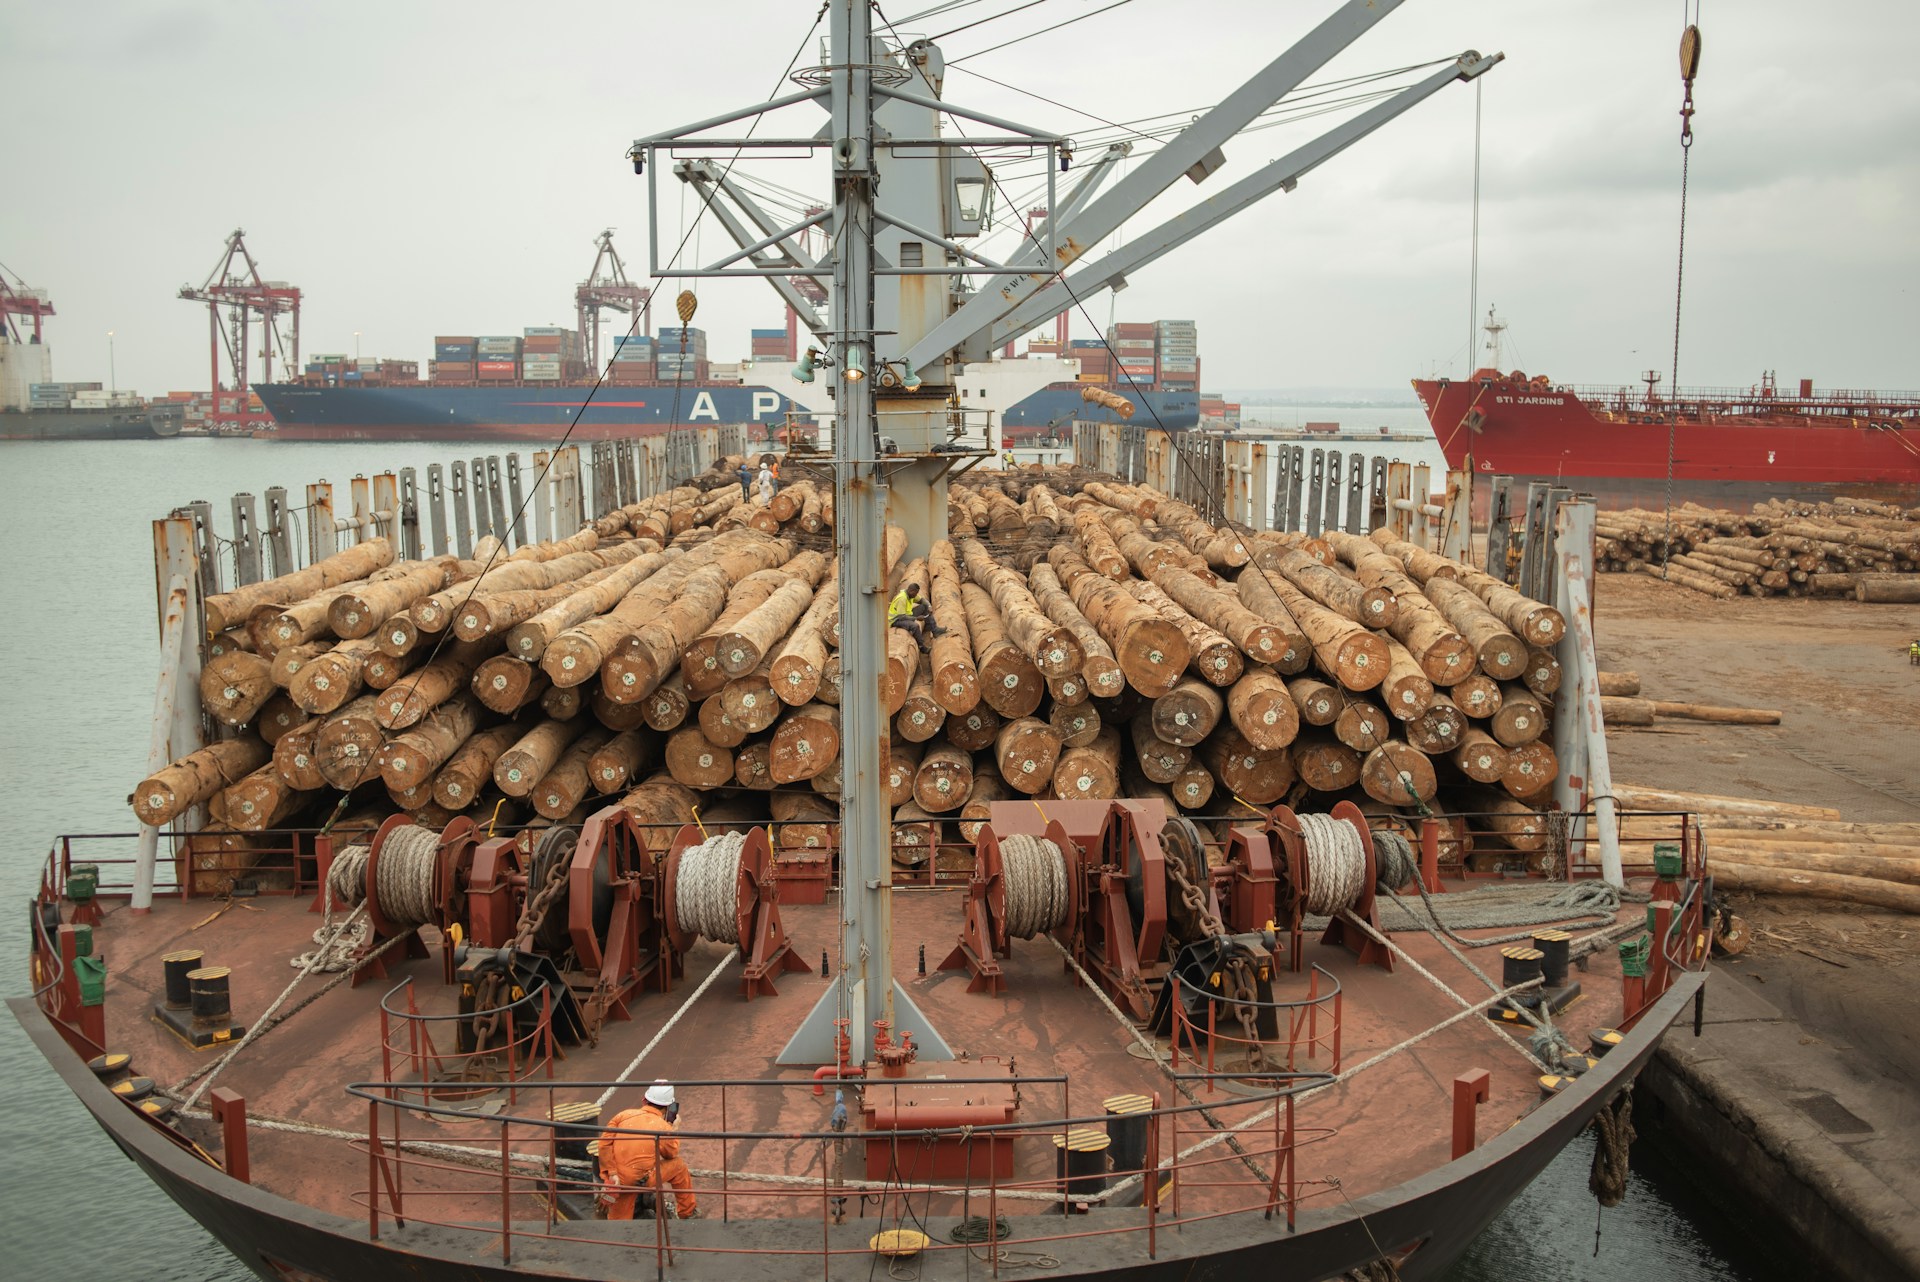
x,y
803,370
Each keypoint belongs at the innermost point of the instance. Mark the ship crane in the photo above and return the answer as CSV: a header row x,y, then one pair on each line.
x,y
237,298
18,301
607,288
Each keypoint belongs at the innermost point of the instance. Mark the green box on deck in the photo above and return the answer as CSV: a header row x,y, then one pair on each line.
x,y
83,941
1667,862
93,980
1633,955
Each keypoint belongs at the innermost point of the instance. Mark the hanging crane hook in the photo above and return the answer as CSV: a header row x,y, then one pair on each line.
x,y
1689,68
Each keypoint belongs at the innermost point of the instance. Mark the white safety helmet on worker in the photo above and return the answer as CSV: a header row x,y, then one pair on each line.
x,y
660,1093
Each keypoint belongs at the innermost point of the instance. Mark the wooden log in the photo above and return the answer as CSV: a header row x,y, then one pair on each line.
x,y
288,660
1187,713
1068,690
1362,724
1099,549
750,703
563,704
293,757
469,770
569,782
920,716
1052,648
1440,729
1398,774
753,765
529,639
802,657
903,664
1822,830
1619,683
1090,772
331,680
407,702
1478,696
1151,651
806,742
667,707
1622,711
229,641
1502,820
1543,672
956,684
1076,724
1271,635
1444,655
279,717
944,779
1708,712
1354,657
1532,621
1531,769
988,787
1026,750
298,623
227,610
1009,683
1636,797
898,770
381,671
1500,653
1686,579
741,649
1855,858
1211,657
1521,719
697,761
1353,600
192,779
1259,778
1423,565
360,610
495,613
717,725
1406,692
506,684
235,686
1323,763
260,801
1098,667
1824,885
1159,760
660,806
521,767
974,729
1318,703
347,745
410,760
699,656
1480,756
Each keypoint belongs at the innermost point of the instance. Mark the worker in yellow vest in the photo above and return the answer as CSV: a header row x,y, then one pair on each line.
x,y
912,615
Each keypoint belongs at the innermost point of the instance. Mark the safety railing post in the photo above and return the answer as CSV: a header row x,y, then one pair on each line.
x,y
723,1153
506,1193
993,1202
1338,1020
513,1069
826,1216
373,1170
1150,1193
1290,1167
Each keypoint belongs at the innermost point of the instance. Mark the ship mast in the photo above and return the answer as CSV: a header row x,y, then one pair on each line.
x,y
901,325
1494,328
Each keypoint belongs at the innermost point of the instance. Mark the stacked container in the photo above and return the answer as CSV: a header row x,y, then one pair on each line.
x,y
452,359
769,345
497,358
682,356
1179,354
1134,346
632,362
548,353
57,396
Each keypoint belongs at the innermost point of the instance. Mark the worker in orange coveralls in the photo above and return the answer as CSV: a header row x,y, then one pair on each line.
x,y
650,1161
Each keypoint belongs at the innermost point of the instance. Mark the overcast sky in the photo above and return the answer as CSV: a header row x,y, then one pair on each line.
x,y
443,168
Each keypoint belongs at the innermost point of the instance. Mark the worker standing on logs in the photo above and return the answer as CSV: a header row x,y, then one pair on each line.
x,y
1913,654
746,480
630,1163
768,486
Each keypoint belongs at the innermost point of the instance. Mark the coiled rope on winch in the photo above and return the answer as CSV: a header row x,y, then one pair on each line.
x,y
1394,864
706,896
1336,863
409,859
1035,873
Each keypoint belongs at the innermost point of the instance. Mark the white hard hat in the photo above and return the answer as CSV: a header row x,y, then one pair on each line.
x,y
661,1093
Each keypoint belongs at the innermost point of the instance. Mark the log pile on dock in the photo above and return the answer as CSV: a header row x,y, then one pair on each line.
x,y
1096,640
1854,547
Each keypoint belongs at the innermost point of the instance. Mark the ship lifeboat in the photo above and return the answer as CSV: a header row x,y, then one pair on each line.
x,y
1518,376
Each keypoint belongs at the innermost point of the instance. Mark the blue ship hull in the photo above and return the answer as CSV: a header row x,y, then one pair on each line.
x,y
530,412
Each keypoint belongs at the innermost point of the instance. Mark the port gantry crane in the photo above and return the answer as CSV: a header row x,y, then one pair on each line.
x,y
900,325
607,287
235,287
16,300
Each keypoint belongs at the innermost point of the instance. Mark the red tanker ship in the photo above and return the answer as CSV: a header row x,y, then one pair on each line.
x,y
1730,447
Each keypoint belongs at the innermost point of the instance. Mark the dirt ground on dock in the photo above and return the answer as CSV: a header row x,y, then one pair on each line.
x,y
1849,738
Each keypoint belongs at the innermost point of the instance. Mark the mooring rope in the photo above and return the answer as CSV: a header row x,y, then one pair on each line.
x,y
409,858
1036,878
1336,863
706,899
1393,859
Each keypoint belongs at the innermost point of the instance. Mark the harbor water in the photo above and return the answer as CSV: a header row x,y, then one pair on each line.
x,y
79,658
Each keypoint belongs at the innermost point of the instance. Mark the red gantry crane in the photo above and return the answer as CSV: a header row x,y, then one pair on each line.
x,y
237,297
16,300
607,287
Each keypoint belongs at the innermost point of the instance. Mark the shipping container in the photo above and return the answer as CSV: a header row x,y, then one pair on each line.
x,y
545,331
780,334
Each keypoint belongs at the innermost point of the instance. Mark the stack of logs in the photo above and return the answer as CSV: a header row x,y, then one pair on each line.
x,y
1854,547
1095,640
1777,847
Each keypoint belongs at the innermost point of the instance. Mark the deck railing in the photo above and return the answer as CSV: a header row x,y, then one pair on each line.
x,y
504,1179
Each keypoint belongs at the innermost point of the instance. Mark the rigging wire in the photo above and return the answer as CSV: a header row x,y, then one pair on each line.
x,y
1041,32
978,22
1473,279
1689,67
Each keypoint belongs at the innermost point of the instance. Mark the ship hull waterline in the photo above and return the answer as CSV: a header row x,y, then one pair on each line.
x,y
1442,1210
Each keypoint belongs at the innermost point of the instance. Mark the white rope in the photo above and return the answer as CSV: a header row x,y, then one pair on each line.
x,y
706,898
1336,863
336,947
408,861
627,1073
1036,878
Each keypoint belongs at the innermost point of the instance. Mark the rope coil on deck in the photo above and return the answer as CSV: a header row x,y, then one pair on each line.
x,y
1393,860
706,896
1036,877
1336,863
347,879
408,860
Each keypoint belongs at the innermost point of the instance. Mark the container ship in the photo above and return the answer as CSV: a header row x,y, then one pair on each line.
x,y
1723,447
531,386
33,407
